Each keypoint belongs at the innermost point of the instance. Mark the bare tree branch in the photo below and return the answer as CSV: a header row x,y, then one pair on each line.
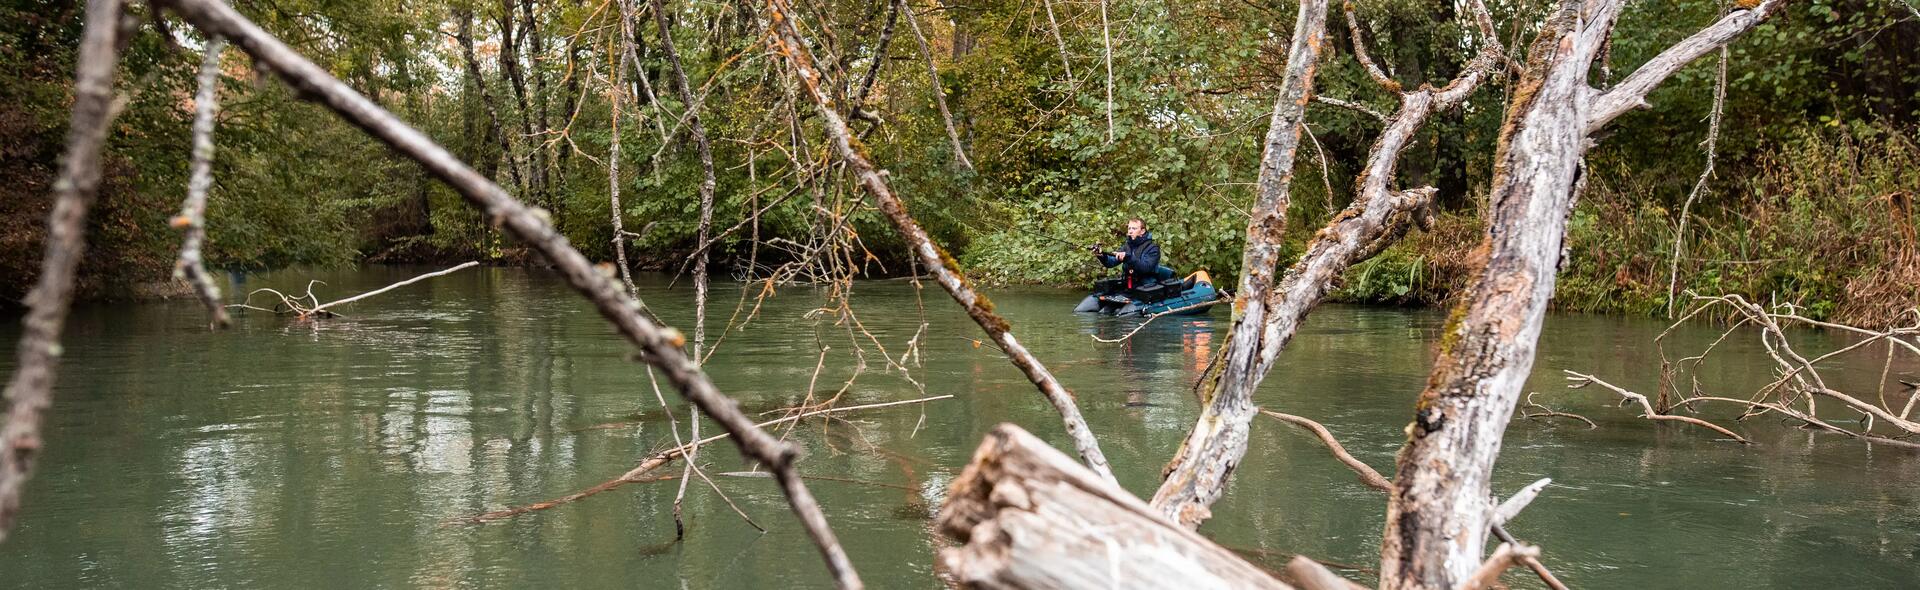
x,y
30,390
1632,91
192,220
944,269
658,345
939,89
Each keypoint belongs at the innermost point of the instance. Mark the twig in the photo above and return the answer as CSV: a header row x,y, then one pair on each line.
x,y
1151,318
1349,105
192,220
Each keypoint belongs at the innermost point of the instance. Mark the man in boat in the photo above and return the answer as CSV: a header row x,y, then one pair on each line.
x,y
1139,259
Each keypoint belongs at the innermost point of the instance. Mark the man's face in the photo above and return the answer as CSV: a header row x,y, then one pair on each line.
x,y
1136,229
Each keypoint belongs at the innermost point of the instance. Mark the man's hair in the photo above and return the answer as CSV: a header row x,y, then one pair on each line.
x,y
1142,222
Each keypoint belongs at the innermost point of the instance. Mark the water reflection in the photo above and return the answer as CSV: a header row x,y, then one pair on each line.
x,y
338,453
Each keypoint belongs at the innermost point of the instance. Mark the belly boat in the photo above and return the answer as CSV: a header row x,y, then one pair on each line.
x,y
1163,295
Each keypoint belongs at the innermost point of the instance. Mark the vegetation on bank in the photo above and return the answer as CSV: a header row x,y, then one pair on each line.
x,y
1812,201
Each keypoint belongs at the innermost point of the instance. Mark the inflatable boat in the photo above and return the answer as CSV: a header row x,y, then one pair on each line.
x,y
1163,294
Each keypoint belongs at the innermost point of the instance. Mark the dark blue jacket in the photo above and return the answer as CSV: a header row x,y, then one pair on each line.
x,y
1143,259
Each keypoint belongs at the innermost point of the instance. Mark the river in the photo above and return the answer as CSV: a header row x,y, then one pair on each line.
x,y
344,453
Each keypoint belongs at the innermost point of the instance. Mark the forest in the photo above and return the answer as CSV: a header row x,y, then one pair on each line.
x,y
1062,123
1750,165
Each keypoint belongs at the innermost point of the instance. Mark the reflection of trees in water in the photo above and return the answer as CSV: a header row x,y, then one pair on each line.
x,y
1158,365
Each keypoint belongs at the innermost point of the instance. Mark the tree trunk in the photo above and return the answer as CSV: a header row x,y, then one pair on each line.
x,y
494,131
1437,520
1028,516
1198,473
707,182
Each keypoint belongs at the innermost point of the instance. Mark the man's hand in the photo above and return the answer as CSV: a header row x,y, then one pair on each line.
x,y
1122,255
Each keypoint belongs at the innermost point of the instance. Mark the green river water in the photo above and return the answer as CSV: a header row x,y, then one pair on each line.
x,y
344,453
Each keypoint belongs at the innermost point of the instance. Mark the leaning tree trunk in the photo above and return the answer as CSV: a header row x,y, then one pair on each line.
x,y
30,390
1438,518
1199,470
945,270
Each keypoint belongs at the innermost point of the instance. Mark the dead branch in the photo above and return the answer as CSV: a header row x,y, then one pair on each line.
x,y
1546,412
1360,51
1580,380
1028,516
656,460
1632,91
707,182
1378,216
1197,475
316,309
658,345
928,255
939,89
1351,106
30,390
1106,51
1505,556
615,96
1054,26
1713,137
192,220
1151,318
1368,476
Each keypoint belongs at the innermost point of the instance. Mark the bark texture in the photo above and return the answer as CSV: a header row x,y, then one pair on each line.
x,y
1438,518
1028,517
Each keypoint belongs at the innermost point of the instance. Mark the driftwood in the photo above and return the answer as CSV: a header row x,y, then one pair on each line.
x,y
945,270
1028,516
30,391
658,345
310,307
1579,380
1437,519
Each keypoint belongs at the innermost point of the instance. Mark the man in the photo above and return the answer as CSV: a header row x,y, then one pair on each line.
x,y
1140,260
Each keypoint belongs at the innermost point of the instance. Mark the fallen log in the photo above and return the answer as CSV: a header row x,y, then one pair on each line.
x,y
1028,516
